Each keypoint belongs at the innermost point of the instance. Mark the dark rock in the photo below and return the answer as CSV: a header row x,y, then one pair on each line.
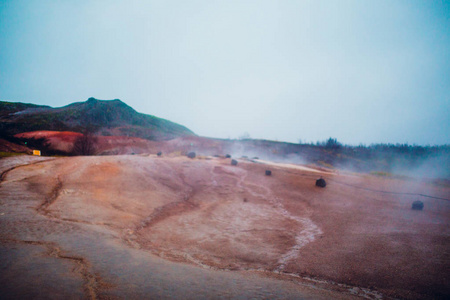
x,y
159,153
234,162
321,183
191,155
268,172
228,156
256,157
417,205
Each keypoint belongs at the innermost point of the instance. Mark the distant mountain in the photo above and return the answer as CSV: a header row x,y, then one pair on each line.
x,y
104,117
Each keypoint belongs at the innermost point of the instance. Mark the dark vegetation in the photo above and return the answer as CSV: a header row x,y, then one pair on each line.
x,y
42,144
429,161
417,205
111,117
321,183
85,144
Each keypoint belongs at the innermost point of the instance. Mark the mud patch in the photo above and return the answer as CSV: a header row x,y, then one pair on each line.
x,y
91,282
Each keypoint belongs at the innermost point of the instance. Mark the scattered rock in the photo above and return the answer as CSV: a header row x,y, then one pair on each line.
x,y
417,205
256,157
245,200
191,155
233,162
228,156
159,153
268,172
321,183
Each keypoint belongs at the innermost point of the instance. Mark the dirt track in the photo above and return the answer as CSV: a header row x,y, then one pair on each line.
x,y
125,227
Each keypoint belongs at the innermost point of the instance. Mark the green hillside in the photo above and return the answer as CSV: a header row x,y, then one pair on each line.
x,y
105,117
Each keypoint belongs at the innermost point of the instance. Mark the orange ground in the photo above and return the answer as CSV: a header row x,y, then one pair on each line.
x,y
249,234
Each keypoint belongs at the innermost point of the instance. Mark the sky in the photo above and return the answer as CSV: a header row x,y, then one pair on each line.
x,y
362,72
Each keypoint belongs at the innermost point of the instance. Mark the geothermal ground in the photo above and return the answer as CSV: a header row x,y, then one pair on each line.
x,y
142,226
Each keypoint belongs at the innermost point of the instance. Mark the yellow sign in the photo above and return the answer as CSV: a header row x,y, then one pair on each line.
x,y
37,152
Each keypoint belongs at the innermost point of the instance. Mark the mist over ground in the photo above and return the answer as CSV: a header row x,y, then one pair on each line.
x,y
351,93
361,71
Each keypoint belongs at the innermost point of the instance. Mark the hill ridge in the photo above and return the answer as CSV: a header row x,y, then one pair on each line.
x,y
104,117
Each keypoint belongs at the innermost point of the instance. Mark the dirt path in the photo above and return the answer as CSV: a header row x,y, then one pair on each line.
x,y
11,163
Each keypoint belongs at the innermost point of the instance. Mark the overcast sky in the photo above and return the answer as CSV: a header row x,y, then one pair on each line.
x,y
359,71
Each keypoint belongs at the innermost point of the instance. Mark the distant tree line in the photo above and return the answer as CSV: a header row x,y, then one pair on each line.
x,y
333,143
386,157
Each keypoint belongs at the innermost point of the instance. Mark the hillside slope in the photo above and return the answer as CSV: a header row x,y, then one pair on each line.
x,y
105,117
115,226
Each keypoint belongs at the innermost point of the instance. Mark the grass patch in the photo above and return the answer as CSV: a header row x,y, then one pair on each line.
x,y
393,176
381,174
324,164
9,154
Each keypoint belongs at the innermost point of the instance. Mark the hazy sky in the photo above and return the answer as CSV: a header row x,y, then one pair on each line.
x,y
359,71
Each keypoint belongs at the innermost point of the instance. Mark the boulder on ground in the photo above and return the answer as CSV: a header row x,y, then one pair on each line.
x,y
321,183
417,205
268,172
191,155
228,156
233,162
159,153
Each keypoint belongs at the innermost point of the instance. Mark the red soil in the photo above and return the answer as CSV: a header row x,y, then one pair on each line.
x,y
348,238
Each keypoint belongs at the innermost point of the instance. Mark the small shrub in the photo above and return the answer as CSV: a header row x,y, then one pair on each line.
x,y
85,144
324,164
321,183
417,205
381,174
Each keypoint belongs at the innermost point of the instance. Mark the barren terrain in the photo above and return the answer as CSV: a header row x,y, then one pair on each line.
x,y
142,226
